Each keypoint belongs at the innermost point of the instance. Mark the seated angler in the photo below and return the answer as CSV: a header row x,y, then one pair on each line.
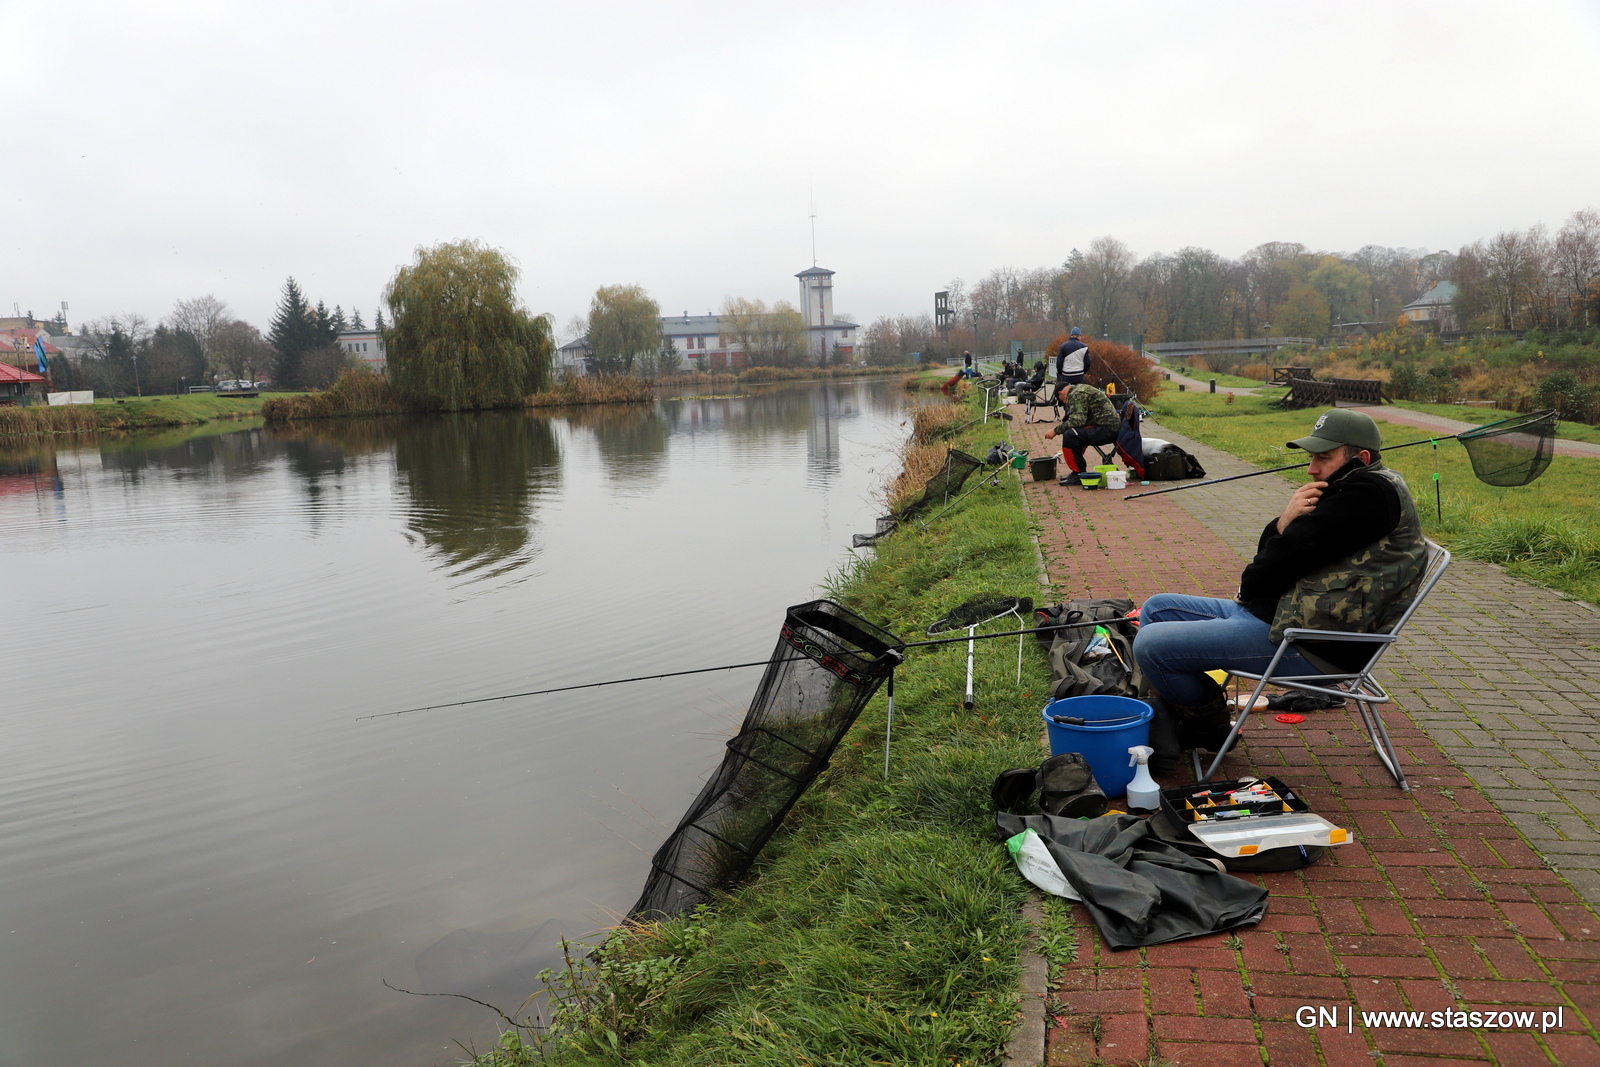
x,y
1091,419
1029,386
1346,554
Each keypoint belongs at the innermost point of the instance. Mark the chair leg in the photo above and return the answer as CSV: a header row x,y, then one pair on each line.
x,y
1381,745
1238,725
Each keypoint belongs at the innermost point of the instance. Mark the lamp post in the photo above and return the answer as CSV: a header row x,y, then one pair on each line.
x,y
975,337
1266,339
136,386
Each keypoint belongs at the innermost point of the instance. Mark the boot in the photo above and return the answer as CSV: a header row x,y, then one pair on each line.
x,y
1164,727
1206,725
1068,788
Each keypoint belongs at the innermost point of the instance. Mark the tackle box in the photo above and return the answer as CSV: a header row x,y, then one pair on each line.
x,y
1249,815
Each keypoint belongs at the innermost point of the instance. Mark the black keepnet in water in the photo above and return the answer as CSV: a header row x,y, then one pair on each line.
x,y
937,491
798,716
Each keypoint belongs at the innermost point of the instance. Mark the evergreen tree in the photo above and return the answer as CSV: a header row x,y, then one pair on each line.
x,y
355,320
327,331
339,323
293,332
461,339
377,321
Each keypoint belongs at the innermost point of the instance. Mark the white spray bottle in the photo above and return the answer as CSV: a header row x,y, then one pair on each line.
x,y
1143,793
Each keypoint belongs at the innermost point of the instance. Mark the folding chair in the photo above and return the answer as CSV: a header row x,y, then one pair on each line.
x,y
1359,686
1043,397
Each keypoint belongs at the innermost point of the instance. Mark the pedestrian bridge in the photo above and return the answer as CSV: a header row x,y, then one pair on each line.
x,y
1249,346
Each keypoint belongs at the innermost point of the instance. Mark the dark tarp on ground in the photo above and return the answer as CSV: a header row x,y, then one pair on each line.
x,y
1140,890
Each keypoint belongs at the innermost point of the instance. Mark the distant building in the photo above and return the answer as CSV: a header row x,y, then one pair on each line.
x,y
16,345
1434,307
17,384
366,349
816,307
700,338
573,357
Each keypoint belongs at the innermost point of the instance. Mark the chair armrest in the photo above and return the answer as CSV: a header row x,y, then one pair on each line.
x,y
1299,634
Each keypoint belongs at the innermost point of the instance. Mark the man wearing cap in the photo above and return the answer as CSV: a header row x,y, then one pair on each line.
x,y
1072,360
1090,419
1347,553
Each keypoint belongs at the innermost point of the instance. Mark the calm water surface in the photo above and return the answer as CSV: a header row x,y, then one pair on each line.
x,y
205,857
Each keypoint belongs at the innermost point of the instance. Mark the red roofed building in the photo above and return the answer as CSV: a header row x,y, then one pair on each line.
x,y
16,347
17,384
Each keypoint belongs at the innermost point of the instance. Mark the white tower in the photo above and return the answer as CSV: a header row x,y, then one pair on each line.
x,y
816,307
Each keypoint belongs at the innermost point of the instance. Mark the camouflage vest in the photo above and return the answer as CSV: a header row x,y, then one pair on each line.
x,y
1366,592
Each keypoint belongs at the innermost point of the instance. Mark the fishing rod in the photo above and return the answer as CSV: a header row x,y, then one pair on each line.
x,y
1297,466
725,667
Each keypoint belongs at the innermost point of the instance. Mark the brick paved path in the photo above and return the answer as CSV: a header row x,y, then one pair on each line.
x,y
1438,904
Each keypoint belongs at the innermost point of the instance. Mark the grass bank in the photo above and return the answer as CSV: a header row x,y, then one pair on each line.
x,y
131,413
1546,532
882,924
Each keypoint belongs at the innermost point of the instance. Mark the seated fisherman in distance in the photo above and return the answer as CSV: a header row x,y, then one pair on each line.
x,y
1091,419
1346,554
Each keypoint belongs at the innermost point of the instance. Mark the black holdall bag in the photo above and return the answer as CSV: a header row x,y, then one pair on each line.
x,y
1172,464
1114,674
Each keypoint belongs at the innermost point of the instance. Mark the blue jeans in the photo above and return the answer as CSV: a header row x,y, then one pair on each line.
x,y
1181,637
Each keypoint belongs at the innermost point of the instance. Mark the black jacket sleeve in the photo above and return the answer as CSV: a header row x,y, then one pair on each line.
x,y
1356,509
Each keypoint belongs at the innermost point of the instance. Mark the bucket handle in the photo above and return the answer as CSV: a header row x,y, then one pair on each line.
x,y
1073,720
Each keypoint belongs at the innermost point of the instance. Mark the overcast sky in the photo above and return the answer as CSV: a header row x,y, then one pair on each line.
x,y
162,150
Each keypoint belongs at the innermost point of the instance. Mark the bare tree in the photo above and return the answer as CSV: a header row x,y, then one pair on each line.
x,y
201,318
1101,283
1512,261
239,352
1575,258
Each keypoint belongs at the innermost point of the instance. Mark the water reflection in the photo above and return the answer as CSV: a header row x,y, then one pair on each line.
x,y
473,481
631,438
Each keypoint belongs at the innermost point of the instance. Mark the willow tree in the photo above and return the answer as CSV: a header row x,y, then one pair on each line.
x,y
624,325
458,336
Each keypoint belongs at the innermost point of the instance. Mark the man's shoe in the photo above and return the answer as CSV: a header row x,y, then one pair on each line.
x,y
1070,479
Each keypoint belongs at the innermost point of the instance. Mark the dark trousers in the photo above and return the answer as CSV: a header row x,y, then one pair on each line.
x,y
1073,442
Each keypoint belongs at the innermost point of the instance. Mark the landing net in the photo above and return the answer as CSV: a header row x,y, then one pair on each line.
x,y
980,610
1514,452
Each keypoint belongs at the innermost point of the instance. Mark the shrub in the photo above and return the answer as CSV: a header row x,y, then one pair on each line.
x,y
1439,385
1404,381
1567,395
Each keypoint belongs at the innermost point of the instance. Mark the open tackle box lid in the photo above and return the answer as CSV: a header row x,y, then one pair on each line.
x,y
1249,815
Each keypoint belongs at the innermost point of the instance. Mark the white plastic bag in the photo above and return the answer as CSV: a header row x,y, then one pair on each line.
x,y
1038,866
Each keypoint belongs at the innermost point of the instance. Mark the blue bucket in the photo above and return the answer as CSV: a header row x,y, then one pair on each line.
x,y
1126,724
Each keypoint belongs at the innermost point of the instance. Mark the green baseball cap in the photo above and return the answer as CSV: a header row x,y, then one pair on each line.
x,y
1342,426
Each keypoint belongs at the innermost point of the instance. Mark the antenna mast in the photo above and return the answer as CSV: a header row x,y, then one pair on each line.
x,y
813,226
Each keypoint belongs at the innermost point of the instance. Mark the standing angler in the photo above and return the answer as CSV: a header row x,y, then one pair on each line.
x,y
1072,360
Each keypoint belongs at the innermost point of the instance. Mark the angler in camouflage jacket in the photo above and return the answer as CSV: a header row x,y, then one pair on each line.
x,y
1090,420
1347,553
